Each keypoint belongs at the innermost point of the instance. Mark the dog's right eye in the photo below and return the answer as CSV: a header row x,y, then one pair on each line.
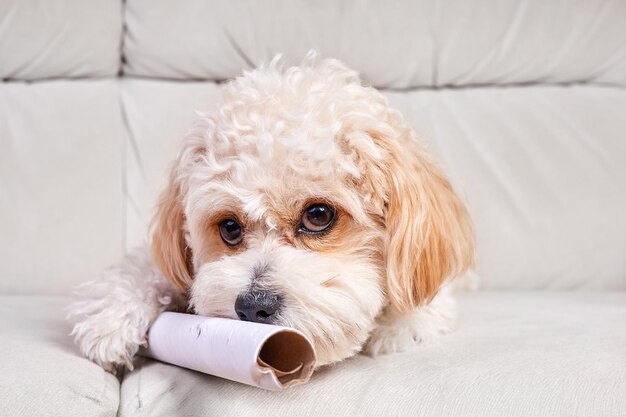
x,y
231,232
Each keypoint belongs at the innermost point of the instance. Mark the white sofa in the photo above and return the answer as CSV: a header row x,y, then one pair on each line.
x,y
523,102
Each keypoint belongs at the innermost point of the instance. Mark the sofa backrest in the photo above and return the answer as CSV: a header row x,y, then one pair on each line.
x,y
62,39
399,44
522,102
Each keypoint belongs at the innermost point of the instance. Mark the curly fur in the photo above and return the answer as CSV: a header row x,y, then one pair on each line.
x,y
279,139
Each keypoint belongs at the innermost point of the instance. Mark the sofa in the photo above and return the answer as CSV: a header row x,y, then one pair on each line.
x,y
523,103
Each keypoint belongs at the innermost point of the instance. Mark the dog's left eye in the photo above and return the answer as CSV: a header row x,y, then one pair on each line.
x,y
317,218
231,232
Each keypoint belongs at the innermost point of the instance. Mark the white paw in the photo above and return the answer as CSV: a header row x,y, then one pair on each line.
x,y
109,341
111,315
397,333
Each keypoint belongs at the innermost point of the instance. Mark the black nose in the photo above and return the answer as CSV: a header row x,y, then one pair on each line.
x,y
258,306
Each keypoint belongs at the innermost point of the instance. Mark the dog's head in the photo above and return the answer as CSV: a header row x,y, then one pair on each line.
x,y
304,200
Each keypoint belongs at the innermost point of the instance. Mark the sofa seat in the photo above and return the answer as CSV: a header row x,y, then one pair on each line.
x,y
513,354
42,372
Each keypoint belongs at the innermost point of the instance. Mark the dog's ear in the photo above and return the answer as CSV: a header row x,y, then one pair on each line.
x,y
168,243
429,234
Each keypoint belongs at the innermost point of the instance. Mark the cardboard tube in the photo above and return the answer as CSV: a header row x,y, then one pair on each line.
x,y
265,356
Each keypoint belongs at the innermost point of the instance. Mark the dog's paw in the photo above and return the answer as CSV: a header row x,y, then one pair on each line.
x,y
400,337
111,315
400,332
109,342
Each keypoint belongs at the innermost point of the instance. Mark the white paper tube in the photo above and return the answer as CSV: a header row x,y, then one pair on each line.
x,y
265,356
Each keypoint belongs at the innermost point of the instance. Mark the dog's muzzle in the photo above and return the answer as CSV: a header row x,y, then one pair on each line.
x,y
258,306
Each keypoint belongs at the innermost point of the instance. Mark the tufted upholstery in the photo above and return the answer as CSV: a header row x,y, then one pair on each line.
x,y
402,44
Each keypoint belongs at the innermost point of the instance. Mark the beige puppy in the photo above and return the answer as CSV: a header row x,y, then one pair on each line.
x,y
302,200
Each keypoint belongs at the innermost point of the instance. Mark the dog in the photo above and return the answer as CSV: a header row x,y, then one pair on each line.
x,y
303,200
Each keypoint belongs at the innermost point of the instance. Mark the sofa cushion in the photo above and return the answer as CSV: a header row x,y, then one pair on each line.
x,y
530,161
61,38
159,114
514,354
397,44
60,183
42,372
543,170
